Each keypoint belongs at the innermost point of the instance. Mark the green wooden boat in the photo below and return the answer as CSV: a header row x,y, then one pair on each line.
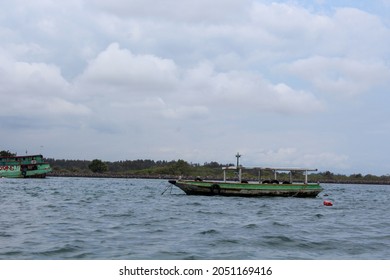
x,y
261,187
28,166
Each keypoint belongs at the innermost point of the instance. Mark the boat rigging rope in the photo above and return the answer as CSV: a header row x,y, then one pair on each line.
x,y
167,187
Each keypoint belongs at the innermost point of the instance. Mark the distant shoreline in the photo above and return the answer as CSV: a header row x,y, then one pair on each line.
x,y
168,177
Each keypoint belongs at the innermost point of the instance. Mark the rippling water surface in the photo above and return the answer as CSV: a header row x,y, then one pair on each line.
x,y
84,218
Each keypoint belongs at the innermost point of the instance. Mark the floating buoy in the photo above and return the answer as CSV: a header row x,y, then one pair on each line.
x,y
328,203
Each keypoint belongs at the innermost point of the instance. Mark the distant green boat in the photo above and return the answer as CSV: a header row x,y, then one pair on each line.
x,y
261,187
29,166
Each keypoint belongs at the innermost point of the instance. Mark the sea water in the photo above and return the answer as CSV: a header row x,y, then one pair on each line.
x,y
137,219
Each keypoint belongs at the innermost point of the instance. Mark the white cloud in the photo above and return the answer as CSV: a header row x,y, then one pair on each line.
x,y
359,34
241,91
120,68
342,76
185,112
146,82
35,89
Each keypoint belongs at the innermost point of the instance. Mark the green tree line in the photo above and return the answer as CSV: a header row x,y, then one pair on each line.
x,y
209,170
139,167
147,168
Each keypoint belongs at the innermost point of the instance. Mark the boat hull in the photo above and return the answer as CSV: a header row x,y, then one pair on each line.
x,y
33,171
246,189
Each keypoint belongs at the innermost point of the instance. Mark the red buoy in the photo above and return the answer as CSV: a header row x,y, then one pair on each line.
x,y
328,203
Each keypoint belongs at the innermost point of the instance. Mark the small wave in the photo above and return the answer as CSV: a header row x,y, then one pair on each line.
x,y
277,239
118,215
60,251
250,226
81,256
195,204
4,234
230,241
183,255
279,224
34,192
210,231
12,254
210,212
158,231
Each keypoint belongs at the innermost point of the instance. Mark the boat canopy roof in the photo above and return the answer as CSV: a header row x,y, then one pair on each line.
x,y
238,166
26,156
270,168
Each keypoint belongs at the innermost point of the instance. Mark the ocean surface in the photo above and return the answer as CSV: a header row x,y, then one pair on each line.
x,y
127,219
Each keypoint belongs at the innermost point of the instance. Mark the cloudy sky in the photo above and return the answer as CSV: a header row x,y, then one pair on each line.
x,y
285,83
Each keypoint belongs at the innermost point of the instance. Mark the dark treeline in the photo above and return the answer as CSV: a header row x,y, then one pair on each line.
x,y
140,167
118,166
169,169
147,168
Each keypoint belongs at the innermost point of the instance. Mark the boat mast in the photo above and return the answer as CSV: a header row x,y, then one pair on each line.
x,y
238,166
238,159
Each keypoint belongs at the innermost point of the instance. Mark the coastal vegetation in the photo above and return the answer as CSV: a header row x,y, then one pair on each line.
x,y
147,168
171,169
6,154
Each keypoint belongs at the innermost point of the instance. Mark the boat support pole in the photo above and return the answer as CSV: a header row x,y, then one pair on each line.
x,y
305,177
